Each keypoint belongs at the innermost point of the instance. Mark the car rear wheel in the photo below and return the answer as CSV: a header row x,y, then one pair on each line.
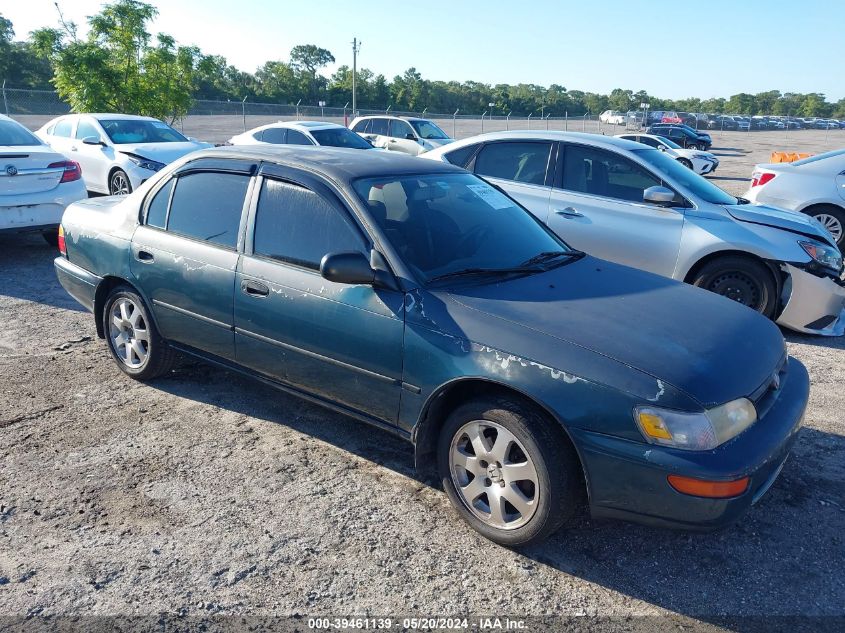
x,y
685,162
740,279
508,471
133,340
833,219
119,184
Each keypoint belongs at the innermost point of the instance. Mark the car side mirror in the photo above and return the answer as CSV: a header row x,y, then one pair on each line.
x,y
662,148
411,136
92,140
347,268
661,196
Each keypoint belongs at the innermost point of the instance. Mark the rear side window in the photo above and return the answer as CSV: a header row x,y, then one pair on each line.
x,y
518,161
275,135
157,209
361,126
207,206
295,225
298,138
601,173
460,157
63,128
379,126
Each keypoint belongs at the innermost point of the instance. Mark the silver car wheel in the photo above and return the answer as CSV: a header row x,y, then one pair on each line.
x,y
119,185
493,474
128,333
832,224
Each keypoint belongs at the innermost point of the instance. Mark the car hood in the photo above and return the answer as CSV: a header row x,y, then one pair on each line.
x,y
709,347
161,152
780,219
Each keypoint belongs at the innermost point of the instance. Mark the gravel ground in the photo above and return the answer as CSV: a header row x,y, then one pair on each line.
x,y
206,494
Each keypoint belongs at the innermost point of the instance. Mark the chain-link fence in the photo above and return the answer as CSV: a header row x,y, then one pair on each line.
x,y
217,121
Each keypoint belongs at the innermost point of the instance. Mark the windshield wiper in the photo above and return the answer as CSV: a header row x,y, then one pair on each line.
x,y
468,272
546,256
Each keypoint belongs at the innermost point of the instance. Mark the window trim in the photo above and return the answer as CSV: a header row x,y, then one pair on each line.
x,y
551,173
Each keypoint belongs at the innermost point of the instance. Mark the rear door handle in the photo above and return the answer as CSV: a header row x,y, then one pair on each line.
x,y
255,289
569,212
145,257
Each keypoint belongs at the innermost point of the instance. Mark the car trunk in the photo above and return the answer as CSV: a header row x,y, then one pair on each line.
x,y
25,170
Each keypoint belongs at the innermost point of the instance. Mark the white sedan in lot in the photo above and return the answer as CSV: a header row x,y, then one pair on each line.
x,y
36,183
699,161
612,117
117,152
814,186
302,133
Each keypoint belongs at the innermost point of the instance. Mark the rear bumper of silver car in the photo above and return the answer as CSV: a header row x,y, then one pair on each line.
x,y
812,304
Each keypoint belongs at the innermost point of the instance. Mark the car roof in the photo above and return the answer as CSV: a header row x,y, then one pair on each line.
x,y
599,140
341,164
391,116
297,125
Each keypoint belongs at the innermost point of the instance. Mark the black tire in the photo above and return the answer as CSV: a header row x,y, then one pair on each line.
x,y
119,183
559,490
159,356
828,215
742,279
51,237
685,162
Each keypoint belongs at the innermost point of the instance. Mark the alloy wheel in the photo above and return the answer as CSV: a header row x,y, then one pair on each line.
x,y
128,333
119,184
493,474
832,224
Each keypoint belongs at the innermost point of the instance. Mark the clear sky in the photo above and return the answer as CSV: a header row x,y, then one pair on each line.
x,y
670,48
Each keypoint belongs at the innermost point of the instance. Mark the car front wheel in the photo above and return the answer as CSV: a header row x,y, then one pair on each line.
x,y
119,184
740,279
685,162
508,471
133,340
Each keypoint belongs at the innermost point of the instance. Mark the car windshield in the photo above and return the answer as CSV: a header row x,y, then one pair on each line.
x,y
441,224
817,157
669,143
340,137
687,178
427,130
13,134
140,131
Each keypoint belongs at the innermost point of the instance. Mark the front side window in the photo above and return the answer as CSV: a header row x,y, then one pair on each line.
x,y
207,206
63,128
293,224
443,223
518,161
601,173
298,138
85,129
275,135
140,131
428,130
399,129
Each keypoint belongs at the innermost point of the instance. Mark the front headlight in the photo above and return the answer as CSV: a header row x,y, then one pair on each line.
x,y
146,163
823,254
695,431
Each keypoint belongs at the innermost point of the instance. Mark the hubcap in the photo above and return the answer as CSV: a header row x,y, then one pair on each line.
x,y
493,474
119,185
128,333
832,224
737,286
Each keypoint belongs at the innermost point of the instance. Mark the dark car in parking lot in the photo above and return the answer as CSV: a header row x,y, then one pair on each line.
x,y
683,135
722,122
417,297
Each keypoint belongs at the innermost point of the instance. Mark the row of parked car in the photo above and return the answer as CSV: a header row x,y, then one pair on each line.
x,y
511,303
701,121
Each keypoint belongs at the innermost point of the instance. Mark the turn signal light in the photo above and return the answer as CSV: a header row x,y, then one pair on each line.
x,y
62,247
706,488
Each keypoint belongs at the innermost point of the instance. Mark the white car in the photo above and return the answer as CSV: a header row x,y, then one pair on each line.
x,y
612,117
699,161
302,133
634,205
814,185
410,135
36,183
117,152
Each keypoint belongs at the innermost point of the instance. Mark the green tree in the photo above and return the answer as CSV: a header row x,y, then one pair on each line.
x,y
307,59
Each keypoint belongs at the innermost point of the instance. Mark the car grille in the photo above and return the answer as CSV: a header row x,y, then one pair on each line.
x,y
765,395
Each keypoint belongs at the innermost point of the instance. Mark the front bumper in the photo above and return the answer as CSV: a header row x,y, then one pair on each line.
x,y
628,480
812,305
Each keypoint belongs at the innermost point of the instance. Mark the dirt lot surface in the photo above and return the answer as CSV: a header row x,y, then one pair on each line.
x,y
203,493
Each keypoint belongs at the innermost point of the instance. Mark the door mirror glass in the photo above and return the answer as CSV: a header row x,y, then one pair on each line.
x,y
347,268
660,196
92,140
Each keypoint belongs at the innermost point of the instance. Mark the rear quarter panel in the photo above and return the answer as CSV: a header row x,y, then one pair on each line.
x,y
98,233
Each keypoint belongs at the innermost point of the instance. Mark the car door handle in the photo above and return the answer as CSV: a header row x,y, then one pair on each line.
x,y
254,289
569,212
145,256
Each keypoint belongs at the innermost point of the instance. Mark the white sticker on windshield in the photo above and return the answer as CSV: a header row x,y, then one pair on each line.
x,y
492,197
